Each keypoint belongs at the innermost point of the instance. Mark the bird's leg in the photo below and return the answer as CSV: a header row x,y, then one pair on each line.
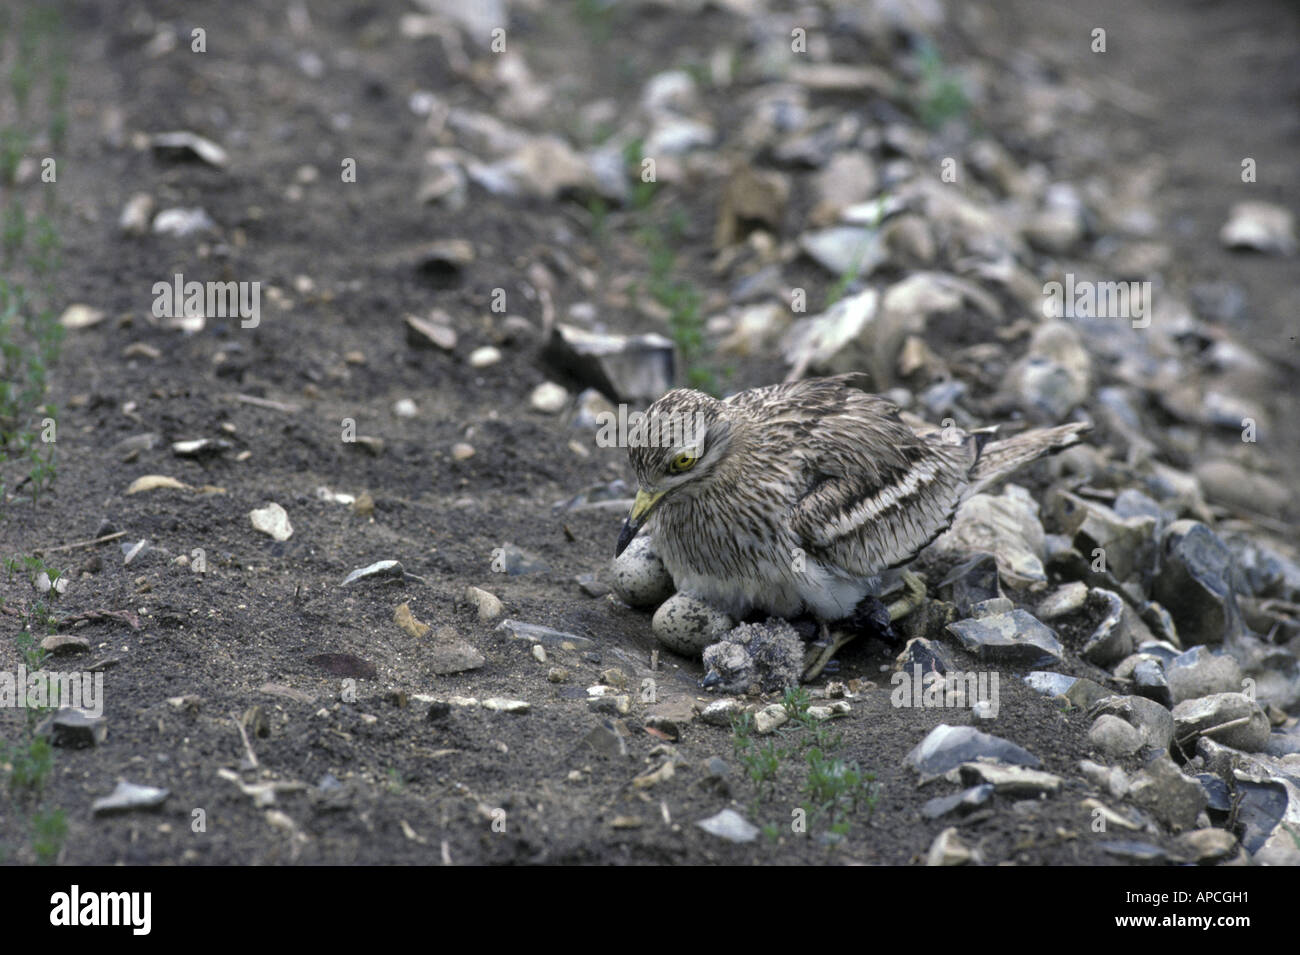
x,y
914,585
870,615
820,653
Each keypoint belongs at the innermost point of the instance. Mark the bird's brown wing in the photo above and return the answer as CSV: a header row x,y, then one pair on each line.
x,y
876,492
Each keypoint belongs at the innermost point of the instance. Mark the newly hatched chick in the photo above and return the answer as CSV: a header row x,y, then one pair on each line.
x,y
767,656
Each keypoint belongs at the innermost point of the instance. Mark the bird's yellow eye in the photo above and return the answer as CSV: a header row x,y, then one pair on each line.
x,y
683,462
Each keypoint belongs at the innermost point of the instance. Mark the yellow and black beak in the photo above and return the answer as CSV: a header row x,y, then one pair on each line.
x,y
645,503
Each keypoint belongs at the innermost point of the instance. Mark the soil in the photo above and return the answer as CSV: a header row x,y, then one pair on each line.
x,y
268,625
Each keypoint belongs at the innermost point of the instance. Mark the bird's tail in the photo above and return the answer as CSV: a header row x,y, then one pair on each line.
x,y
999,459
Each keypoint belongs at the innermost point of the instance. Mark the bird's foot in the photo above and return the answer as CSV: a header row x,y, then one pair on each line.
x,y
913,596
871,617
821,653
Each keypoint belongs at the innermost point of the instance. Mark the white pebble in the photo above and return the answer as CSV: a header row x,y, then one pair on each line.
x,y
488,604
549,397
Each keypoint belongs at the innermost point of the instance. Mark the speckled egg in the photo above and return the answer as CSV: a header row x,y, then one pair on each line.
x,y
686,625
639,575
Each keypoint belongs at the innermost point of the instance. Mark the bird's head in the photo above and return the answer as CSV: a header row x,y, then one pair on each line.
x,y
728,667
675,448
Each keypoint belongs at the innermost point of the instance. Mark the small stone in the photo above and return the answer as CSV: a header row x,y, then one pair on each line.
x,y
619,704
128,796
403,617
1229,483
671,717
1113,639
1127,542
1206,846
435,332
729,825
1005,525
78,316
1009,780
823,713
489,606
845,249
947,747
1163,790
614,677
1148,676
971,582
63,645
1108,816
769,718
556,674
1195,583
1113,779
1049,683
633,368
1149,718
948,849
501,705
1232,719
405,408
368,443
273,521
539,653
1013,638
484,357
1262,226
962,803
1135,852
182,223
534,633
200,447
1055,374
151,482
1114,737
184,144
607,740
750,197
838,340
1063,601
379,570
136,214
549,398
1199,672
655,776
992,607
73,728
451,654
441,262
591,585
721,712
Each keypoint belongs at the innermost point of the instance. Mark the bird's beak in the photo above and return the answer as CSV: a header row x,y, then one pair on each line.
x,y
641,508
711,679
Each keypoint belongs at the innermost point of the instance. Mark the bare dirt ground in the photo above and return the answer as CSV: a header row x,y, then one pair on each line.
x,y
268,625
